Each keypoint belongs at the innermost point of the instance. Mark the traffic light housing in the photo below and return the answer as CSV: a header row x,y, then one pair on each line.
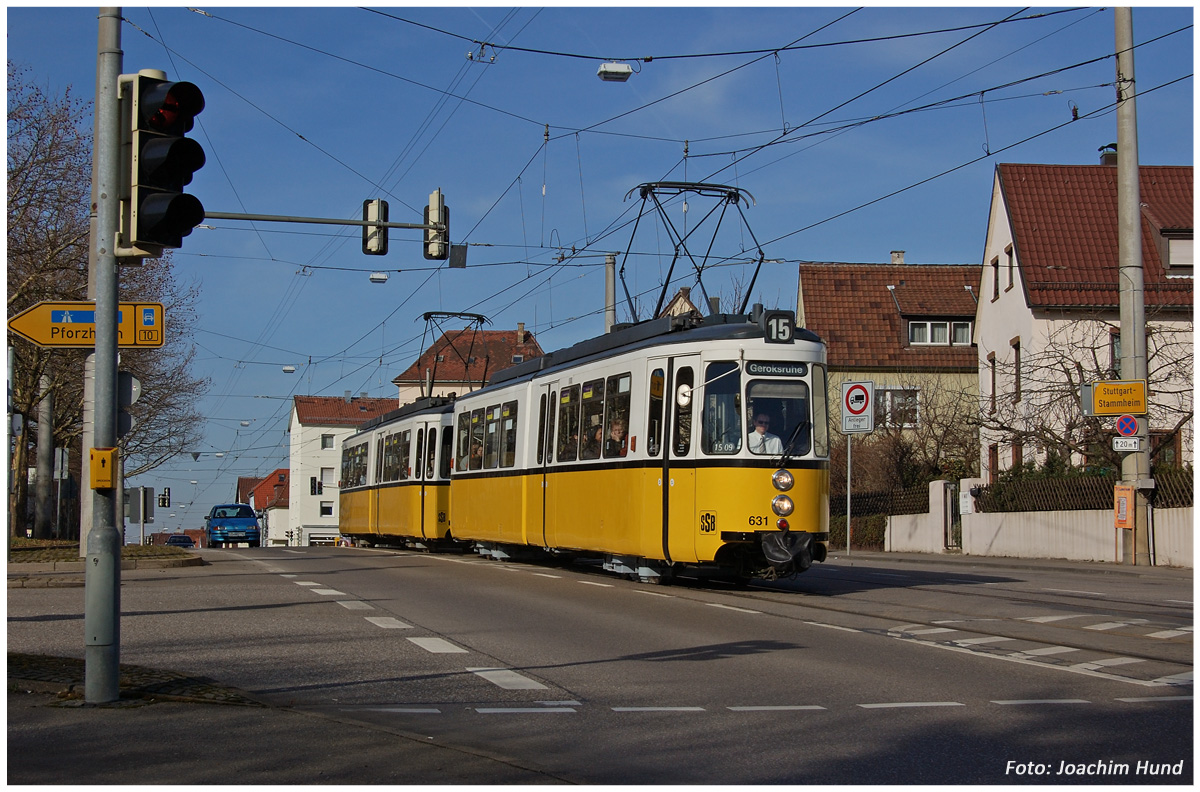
x,y
164,498
161,162
437,241
375,238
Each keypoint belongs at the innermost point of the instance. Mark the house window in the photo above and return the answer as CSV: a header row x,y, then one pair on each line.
x,y
1016,348
996,278
518,358
991,358
897,407
1008,252
939,333
1114,348
326,508
326,441
1179,257
993,463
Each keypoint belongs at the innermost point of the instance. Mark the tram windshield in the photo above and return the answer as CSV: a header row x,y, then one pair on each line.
x,y
779,418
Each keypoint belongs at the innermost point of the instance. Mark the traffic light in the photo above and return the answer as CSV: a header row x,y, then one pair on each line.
x,y
375,238
164,498
437,241
315,486
161,163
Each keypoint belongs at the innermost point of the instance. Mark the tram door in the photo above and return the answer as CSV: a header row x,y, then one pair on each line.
x,y
678,453
541,504
430,511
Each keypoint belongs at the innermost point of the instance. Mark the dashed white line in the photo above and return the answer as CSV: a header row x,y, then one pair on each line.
x,y
507,679
730,607
328,592
1169,633
388,622
305,583
777,708
1018,702
355,605
1143,699
520,710
985,640
901,704
1044,651
543,574
658,709
1048,619
438,646
1107,662
593,583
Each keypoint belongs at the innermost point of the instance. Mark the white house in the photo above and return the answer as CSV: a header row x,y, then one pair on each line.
x,y
1048,318
318,425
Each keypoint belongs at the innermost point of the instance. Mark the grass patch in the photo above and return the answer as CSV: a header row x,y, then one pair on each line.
x,y
30,551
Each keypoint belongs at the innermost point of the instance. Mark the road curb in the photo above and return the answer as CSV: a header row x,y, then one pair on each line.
x,y
62,574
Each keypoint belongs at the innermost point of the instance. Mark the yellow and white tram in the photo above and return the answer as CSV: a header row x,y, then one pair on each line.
x,y
396,476
679,443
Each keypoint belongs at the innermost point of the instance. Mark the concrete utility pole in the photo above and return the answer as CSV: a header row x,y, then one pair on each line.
x,y
610,292
102,564
45,460
1135,467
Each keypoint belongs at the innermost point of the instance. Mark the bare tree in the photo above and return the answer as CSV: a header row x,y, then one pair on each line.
x,y
49,192
1041,409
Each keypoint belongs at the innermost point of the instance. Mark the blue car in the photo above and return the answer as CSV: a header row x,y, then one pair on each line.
x,y
232,524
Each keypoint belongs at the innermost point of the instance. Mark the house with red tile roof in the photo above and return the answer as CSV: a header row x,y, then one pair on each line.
x,y
461,361
318,425
1049,312
906,327
269,497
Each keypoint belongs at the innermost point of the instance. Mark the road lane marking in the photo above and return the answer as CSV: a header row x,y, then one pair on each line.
x,y
658,709
730,607
1107,663
438,646
405,710
520,710
985,640
328,592
1018,702
1073,591
777,708
355,605
543,574
507,678
305,583
591,583
1142,699
1045,650
1170,633
1048,619
388,622
1175,679
1114,625
901,704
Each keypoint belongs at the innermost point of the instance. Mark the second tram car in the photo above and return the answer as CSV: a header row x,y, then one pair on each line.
x,y
675,444
396,476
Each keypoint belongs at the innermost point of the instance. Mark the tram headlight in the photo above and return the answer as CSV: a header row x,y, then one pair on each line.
x,y
783,480
782,505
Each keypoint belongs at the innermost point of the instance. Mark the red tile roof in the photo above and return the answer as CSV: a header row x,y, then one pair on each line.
x,y
337,411
469,355
272,491
862,321
1064,223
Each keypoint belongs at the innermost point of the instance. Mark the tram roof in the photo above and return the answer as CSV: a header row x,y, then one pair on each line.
x,y
667,329
436,404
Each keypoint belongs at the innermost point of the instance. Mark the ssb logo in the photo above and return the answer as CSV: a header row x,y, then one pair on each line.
x,y
708,522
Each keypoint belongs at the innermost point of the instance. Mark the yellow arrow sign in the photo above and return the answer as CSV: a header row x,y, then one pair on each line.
x,y
73,324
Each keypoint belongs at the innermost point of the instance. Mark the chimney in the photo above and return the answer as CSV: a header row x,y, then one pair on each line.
x,y
347,397
1108,154
897,258
520,332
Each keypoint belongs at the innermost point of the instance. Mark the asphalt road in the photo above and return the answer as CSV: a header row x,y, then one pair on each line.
x,y
382,666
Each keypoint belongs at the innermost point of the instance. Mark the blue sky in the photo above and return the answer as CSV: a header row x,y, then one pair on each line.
x,y
311,111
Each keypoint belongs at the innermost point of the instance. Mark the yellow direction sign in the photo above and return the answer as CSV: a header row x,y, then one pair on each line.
x,y
73,324
1114,397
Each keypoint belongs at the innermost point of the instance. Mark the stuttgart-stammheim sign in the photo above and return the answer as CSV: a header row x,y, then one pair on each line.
x,y
1114,397
73,324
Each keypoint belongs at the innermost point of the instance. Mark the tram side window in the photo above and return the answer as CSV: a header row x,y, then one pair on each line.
x,y
431,453
550,412
658,381
477,439
354,466
508,434
568,425
463,450
541,440
785,403
820,410
491,437
419,455
683,412
404,443
379,460
395,456
721,420
592,423
616,416
447,453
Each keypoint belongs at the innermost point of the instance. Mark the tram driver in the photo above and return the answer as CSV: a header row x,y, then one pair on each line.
x,y
762,441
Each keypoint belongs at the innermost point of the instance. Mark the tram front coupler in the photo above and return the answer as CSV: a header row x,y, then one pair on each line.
x,y
788,552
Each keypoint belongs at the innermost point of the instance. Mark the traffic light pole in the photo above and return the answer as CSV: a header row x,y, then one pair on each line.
x,y
102,564
315,220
